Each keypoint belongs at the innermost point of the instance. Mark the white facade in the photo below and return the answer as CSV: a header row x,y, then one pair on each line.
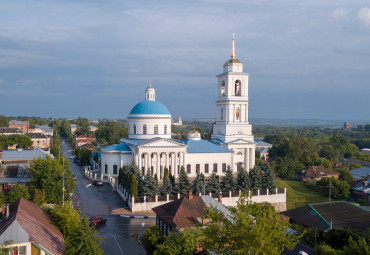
x,y
151,147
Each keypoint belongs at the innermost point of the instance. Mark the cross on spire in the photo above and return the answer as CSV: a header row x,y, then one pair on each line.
x,y
233,48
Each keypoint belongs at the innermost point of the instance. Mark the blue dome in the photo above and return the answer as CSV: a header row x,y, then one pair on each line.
x,y
150,107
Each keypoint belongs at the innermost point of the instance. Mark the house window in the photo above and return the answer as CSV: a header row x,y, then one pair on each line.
x,y
224,167
115,169
156,129
165,129
38,141
197,168
215,168
134,129
188,168
106,168
144,129
206,168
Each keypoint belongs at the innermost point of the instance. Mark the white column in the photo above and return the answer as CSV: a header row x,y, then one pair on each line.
x,y
250,158
158,166
175,164
180,159
137,159
183,160
140,159
145,162
253,157
246,112
149,162
167,160
246,159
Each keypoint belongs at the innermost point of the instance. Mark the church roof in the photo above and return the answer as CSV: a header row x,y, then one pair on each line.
x,y
117,147
149,107
203,146
232,61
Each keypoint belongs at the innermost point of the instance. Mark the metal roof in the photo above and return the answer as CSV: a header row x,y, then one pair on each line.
x,y
117,147
361,172
203,146
10,130
22,155
149,107
263,144
18,122
45,128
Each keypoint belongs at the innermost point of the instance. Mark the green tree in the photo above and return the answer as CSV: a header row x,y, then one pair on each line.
x,y
324,249
83,126
153,236
247,230
39,197
134,187
228,182
339,190
183,184
4,121
357,248
352,166
345,174
96,157
199,184
150,185
17,192
255,176
83,240
242,181
181,243
47,175
56,146
65,219
268,180
84,155
2,198
167,185
122,176
213,184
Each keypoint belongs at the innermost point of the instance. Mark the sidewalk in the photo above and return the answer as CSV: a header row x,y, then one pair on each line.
x,y
125,212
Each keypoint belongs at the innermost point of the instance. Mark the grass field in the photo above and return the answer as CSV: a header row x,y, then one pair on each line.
x,y
299,195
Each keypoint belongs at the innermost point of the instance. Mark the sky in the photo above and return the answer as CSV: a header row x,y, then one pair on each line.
x,y
306,59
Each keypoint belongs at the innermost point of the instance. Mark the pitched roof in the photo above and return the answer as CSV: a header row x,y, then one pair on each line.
x,y
340,214
19,122
36,222
314,172
45,128
20,154
360,172
184,212
117,147
263,144
10,130
203,146
36,135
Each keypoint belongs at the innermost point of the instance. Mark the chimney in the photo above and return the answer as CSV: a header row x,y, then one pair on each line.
x,y
7,211
190,193
220,197
3,212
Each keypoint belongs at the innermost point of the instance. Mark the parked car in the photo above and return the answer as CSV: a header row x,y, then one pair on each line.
x,y
95,220
74,177
98,182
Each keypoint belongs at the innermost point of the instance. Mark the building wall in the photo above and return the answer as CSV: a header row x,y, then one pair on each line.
x,y
202,159
42,143
114,158
150,123
23,127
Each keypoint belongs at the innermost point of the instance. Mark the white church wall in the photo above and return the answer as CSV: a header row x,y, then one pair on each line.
x,y
114,158
207,158
150,123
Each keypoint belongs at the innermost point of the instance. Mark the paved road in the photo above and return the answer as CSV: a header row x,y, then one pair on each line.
x,y
119,234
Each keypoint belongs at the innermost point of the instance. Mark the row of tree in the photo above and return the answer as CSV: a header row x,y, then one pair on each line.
x,y
22,141
137,186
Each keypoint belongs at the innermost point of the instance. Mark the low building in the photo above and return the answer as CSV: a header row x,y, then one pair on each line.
x,y
186,212
360,189
27,227
93,128
325,216
21,156
24,125
46,130
315,173
361,173
84,140
39,140
11,131
263,148
12,174
178,123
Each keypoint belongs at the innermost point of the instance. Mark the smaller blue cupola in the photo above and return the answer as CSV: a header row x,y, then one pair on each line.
x,y
149,93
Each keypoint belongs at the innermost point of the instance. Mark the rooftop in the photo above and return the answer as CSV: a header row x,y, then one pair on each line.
x,y
18,122
338,214
360,172
36,222
37,135
149,108
117,147
24,155
203,146
10,130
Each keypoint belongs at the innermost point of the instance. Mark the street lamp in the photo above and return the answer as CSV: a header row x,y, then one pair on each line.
x,y
64,155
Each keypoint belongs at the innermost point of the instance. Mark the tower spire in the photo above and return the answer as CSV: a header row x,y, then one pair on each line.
x,y
233,48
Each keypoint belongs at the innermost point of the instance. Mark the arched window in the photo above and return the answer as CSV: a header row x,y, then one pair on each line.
x,y
165,129
222,113
238,88
134,129
144,129
222,89
156,129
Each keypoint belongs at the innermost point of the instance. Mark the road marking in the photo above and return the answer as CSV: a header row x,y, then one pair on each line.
x,y
117,244
88,185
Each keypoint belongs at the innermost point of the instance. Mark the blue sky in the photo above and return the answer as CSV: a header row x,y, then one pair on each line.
x,y
306,59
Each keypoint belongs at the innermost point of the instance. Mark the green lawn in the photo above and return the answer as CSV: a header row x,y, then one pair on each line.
x,y
299,195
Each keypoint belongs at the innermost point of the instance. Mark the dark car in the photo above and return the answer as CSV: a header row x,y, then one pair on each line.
x,y
95,220
98,182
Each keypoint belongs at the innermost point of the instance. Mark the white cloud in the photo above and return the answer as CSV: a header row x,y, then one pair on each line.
x,y
339,13
364,15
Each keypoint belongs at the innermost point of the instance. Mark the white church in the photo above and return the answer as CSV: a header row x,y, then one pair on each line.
x,y
151,146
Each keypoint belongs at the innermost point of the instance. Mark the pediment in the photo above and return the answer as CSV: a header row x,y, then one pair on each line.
x,y
163,143
240,141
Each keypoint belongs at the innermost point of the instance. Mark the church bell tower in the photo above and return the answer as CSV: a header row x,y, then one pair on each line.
x,y
232,128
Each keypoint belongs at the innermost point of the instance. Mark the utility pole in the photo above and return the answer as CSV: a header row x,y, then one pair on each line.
x,y
330,191
63,179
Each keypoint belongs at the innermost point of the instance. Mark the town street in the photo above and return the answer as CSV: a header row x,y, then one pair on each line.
x,y
119,234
